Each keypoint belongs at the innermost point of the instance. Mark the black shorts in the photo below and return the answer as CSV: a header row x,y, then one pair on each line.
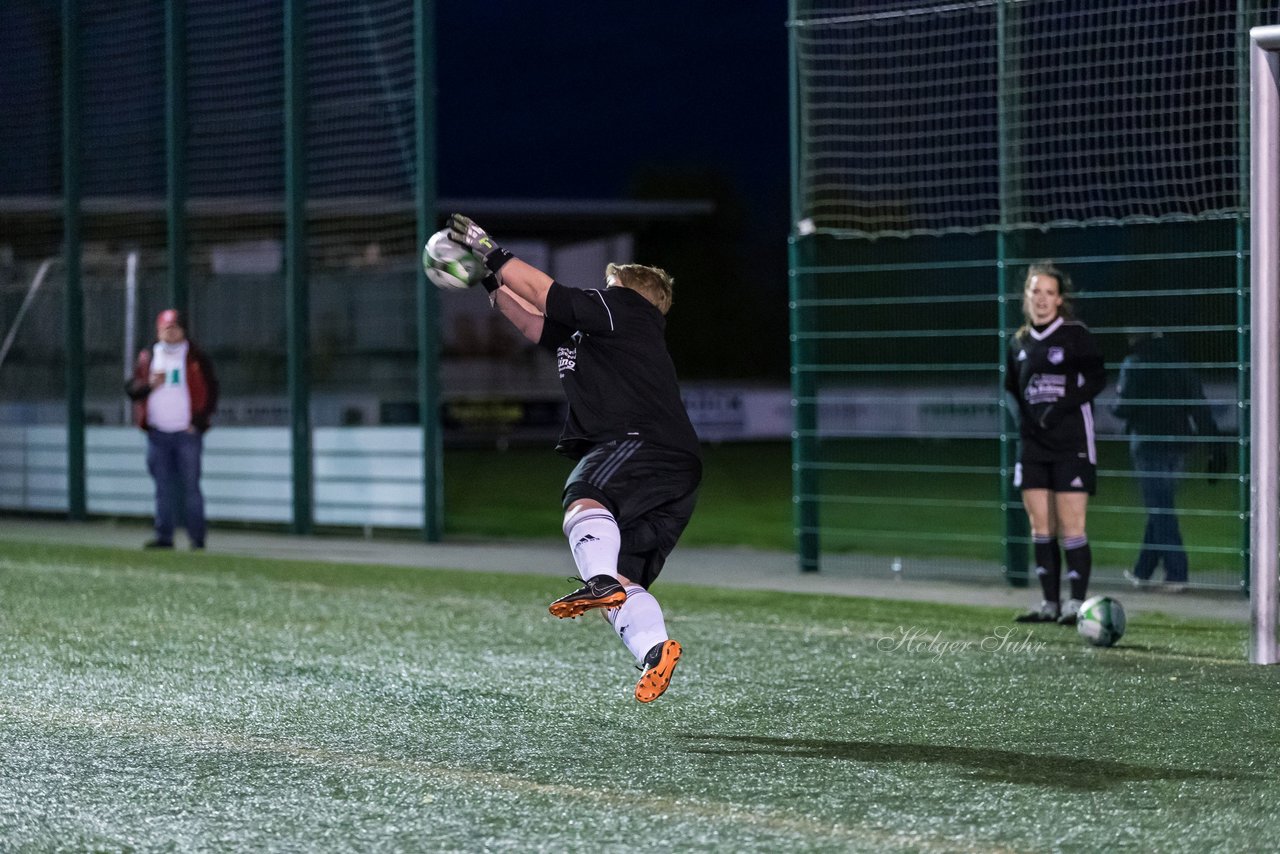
x,y
649,489
1057,476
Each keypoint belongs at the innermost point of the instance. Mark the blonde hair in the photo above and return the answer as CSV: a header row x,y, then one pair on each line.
x,y
1046,268
653,283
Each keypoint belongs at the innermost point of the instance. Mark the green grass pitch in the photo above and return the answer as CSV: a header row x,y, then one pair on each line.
x,y
207,702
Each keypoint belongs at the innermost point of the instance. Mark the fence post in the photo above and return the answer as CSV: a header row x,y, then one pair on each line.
x,y
297,287
428,317
74,310
175,123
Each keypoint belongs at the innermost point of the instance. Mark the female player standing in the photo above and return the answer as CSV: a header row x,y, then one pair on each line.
x,y
1054,370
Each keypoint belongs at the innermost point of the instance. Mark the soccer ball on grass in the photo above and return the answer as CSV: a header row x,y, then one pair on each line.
x,y
1101,621
450,266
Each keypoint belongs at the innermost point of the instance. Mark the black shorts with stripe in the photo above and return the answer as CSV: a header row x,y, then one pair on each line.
x,y
1057,476
651,490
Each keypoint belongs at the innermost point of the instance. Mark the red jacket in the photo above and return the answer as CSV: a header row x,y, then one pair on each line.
x,y
202,384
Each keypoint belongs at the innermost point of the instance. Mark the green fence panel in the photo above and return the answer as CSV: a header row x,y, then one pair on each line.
x,y
939,149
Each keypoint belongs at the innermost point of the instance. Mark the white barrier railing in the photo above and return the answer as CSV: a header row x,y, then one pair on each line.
x,y
363,476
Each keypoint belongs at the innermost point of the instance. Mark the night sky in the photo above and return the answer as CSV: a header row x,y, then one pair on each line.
x,y
582,101
579,104
572,104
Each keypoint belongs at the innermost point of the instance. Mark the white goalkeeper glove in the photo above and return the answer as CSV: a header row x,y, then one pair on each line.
x,y
463,230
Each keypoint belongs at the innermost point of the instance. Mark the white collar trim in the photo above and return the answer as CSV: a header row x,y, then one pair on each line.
x,y
1048,330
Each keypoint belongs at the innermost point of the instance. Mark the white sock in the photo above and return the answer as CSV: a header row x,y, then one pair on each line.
x,y
638,621
594,538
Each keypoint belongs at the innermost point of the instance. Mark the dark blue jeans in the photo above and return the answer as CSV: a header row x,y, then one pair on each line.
x,y
174,462
1157,465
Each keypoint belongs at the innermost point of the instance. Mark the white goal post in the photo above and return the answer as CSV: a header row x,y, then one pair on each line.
x,y
1264,490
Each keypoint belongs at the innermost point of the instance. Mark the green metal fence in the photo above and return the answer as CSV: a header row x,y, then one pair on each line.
x,y
938,150
231,158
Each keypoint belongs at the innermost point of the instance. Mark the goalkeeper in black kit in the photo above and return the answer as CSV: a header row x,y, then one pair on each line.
x,y
1054,371
633,489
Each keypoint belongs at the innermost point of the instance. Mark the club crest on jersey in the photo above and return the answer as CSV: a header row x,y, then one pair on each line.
x,y
1055,355
1022,355
566,359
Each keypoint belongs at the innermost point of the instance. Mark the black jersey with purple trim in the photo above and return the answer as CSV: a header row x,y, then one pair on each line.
x,y
1054,372
616,372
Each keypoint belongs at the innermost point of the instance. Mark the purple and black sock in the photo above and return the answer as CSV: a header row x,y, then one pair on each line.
x,y
1079,564
1048,565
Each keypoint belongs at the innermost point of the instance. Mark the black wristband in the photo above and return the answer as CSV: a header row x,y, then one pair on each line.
x,y
495,259
490,283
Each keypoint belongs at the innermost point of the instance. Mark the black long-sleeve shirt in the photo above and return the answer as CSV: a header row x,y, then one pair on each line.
x,y
1054,372
615,369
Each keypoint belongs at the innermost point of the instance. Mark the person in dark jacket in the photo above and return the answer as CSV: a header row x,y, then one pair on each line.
x,y
175,392
1163,406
